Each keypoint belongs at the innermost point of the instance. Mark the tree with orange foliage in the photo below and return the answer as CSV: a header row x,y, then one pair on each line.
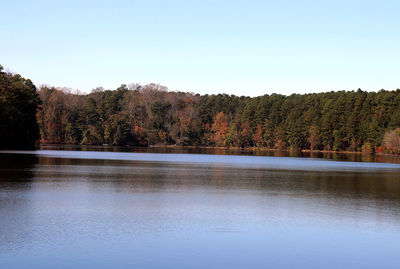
x,y
220,129
245,134
258,136
140,136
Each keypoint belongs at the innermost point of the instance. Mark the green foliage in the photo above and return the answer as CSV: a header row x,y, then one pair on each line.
x,y
19,104
354,121
141,115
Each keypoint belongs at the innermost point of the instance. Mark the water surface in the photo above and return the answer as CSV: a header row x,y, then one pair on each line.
x,y
69,209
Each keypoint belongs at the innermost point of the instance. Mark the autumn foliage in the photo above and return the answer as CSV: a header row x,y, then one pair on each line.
x,y
220,129
145,115
391,141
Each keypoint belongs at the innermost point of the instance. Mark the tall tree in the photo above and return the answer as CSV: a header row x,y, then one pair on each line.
x,y
19,103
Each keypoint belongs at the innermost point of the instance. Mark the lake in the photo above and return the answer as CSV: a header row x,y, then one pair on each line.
x,y
102,208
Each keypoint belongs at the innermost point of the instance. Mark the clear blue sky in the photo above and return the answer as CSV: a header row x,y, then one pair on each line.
x,y
240,47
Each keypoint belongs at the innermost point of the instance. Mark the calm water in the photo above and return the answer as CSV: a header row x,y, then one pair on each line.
x,y
85,209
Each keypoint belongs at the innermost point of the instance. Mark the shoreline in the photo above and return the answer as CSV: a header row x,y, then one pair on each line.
x,y
247,149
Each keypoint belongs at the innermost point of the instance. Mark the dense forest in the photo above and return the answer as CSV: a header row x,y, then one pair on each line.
x,y
148,115
136,115
19,103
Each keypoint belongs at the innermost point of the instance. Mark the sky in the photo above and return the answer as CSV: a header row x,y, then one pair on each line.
x,y
236,47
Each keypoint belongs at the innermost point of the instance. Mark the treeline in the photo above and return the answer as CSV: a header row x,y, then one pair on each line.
x,y
146,115
18,106
138,115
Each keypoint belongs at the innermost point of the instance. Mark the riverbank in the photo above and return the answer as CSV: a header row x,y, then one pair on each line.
x,y
242,149
255,149
335,155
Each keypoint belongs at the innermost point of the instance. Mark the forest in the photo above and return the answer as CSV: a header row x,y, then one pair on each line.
x,y
19,102
148,115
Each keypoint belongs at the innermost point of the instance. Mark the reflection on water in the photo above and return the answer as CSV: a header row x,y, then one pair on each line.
x,y
354,157
64,212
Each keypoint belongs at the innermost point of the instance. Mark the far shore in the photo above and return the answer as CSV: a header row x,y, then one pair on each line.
x,y
245,149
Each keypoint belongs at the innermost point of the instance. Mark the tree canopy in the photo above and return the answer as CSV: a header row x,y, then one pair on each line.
x,y
19,103
142,115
